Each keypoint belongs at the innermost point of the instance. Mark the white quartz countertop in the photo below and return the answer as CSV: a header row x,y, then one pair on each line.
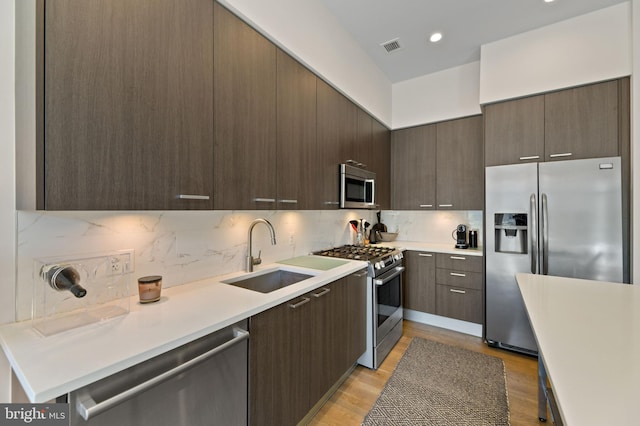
x,y
51,366
588,333
433,247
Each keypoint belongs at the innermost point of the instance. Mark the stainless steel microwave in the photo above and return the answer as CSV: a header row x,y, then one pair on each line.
x,y
357,188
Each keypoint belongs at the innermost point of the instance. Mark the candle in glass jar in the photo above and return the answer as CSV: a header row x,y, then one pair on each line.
x,y
149,288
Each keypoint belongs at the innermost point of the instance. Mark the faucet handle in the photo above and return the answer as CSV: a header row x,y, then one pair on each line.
x,y
257,260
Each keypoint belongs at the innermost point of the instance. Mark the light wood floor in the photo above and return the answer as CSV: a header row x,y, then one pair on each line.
x,y
353,400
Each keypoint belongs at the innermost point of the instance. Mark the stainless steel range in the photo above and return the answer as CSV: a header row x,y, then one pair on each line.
x,y
384,297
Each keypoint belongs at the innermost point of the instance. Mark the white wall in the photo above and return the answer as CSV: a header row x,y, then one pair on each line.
x,y
310,33
7,179
438,96
589,48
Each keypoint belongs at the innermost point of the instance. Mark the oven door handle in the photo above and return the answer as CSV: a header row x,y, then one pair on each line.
x,y
386,277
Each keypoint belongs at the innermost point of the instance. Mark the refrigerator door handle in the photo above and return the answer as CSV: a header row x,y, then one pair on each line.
x,y
533,209
544,227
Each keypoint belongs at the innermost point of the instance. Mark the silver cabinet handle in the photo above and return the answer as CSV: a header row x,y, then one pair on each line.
x,y
426,206
322,293
445,205
533,211
564,154
192,197
360,275
457,274
288,201
87,406
453,290
331,203
457,258
300,303
425,255
529,157
264,200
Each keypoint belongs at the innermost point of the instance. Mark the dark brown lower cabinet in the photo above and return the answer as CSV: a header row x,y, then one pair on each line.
x,y
298,350
459,302
459,287
420,281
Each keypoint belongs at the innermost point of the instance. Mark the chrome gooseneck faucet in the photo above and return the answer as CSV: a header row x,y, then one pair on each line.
x,y
250,260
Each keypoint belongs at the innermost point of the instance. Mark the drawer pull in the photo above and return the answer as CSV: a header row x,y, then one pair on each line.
x,y
361,274
564,154
322,293
288,201
300,303
458,258
426,206
264,200
529,157
453,290
445,205
457,274
425,255
192,197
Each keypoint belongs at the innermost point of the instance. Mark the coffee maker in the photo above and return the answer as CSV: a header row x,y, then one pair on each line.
x,y
461,236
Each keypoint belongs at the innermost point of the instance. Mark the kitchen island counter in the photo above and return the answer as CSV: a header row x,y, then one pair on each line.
x,y
588,333
48,367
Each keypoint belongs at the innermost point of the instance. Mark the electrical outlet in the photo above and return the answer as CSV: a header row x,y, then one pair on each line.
x,y
121,263
291,239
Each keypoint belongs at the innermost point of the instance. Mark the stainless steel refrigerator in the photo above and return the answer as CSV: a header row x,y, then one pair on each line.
x,y
561,218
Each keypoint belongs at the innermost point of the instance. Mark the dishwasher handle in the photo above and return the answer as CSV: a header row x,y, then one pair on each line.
x,y
87,407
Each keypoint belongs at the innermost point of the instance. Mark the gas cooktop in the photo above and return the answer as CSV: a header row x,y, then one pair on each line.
x,y
368,253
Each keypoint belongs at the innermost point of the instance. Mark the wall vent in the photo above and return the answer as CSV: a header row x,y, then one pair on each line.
x,y
391,45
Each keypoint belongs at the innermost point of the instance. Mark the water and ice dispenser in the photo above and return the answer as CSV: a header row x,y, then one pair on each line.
x,y
511,232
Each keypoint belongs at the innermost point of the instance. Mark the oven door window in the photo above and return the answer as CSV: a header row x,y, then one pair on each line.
x,y
388,298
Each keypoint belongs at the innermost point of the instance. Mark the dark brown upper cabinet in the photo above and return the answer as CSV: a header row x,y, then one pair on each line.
x,y
128,105
459,160
296,165
381,163
413,168
336,117
583,122
514,131
245,116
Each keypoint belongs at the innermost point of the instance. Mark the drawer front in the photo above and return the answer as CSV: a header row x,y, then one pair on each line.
x,y
459,262
459,278
460,303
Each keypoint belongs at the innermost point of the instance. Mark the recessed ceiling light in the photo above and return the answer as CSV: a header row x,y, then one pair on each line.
x,y
435,37
549,1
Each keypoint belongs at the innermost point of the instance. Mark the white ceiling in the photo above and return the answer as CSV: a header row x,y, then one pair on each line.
x,y
465,24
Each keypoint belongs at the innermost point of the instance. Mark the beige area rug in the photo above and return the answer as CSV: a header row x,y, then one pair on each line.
x,y
438,384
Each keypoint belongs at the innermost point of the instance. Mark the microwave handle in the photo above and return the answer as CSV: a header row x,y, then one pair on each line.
x,y
373,191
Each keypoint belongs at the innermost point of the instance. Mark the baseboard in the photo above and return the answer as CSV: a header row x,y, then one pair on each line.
x,y
444,322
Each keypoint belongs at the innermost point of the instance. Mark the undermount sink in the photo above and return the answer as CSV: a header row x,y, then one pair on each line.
x,y
268,282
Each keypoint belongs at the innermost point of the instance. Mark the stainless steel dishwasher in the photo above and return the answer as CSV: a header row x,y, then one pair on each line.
x,y
201,383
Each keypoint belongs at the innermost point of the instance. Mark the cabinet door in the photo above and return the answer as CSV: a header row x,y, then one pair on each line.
x,y
413,168
128,104
296,164
582,122
381,163
514,131
460,173
362,148
336,134
245,116
420,281
279,369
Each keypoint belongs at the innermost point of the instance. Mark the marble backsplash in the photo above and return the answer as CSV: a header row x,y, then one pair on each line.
x,y
185,246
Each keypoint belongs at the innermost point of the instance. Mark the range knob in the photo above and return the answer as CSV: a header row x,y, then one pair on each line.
x,y
397,256
379,265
